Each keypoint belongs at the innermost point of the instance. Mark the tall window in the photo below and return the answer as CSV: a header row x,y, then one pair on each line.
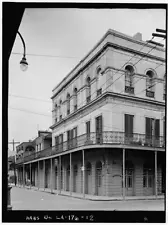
x,y
88,130
60,141
129,72
56,111
56,142
129,127
68,104
75,99
152,131
150,84
60,109
129,172
72,138
88,89
98,79
99,128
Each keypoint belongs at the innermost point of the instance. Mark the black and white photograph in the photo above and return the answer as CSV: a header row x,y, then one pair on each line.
x,y
84,112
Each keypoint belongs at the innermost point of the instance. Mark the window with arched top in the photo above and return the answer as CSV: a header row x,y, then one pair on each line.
x,y
129,73
75,98
150,84
88,168
68,104
98,81
88,89
129,173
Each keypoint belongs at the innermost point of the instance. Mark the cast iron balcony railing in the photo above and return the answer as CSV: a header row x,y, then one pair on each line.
x,y
91,139
88,99
99,92
129,89
150,94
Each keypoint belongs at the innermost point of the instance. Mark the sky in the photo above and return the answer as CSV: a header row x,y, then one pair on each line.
x,y
56,40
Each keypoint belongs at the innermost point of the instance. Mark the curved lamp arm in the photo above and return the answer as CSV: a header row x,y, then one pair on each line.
x,y
23,62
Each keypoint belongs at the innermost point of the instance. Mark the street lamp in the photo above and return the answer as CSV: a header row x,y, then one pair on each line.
x,y
23,62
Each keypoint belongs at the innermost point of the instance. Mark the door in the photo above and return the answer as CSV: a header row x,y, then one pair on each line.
x,y
88,179
56,177
152,132
99,178
148,179
99,130
75,173
129,178
67,178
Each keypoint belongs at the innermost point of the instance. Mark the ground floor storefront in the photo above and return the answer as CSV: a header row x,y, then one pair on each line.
x,y
99,172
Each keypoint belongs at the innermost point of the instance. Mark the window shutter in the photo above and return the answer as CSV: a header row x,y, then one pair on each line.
x,y
148,127
157,128
130,124
126,124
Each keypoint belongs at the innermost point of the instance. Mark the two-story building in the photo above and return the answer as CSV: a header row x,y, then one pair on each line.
x,y
108,132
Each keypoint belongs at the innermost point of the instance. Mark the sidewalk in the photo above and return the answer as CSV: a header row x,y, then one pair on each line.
x,y
92,197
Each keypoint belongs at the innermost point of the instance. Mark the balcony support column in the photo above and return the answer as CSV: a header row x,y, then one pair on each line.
x,y
44,172
38,174
51,181
23,175
30,175
156,174
60,174
83,158
70,173
123,181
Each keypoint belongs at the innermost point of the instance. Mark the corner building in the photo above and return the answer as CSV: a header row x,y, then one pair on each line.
x,y
108,121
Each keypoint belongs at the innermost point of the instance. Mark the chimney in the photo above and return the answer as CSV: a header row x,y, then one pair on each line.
x,y
138,36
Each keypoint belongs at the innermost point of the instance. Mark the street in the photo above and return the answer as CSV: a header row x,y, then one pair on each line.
x,y
24,199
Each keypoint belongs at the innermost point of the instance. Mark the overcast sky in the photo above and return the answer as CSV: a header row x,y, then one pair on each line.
x,y
65,36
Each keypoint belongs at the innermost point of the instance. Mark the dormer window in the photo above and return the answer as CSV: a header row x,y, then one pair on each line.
x,y
129,72
150,84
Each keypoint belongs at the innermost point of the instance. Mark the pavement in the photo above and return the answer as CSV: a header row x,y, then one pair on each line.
x,y
33,199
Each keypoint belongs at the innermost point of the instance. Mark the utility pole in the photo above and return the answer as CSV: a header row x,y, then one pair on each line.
x,y
13,143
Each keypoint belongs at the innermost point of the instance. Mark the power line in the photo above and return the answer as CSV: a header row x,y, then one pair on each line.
x,y
30,111
36,99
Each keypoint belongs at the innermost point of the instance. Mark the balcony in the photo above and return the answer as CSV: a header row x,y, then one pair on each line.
x,y
129,89
104,138
150,94
88,99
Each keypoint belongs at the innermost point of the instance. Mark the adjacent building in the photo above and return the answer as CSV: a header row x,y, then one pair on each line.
x,y
108,123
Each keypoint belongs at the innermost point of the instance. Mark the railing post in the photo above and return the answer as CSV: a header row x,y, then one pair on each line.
x,y
83,157
123,174
156,174
44,172
38,172
60,174
70,174
51,176
23,175
30,176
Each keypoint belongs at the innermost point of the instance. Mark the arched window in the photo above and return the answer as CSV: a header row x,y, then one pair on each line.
x,y
75,99
148,174
150,84
98,81
99,173
129,73
68,104
88,89
88,168
60,109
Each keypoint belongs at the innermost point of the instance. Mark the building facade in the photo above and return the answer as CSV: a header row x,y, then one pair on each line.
x,y
108,122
